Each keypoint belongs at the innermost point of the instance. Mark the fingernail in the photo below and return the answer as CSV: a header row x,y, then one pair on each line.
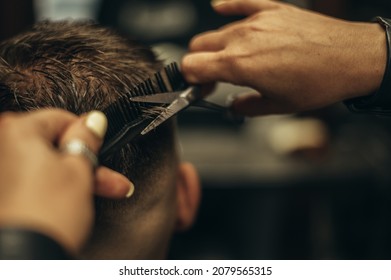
x,y
217,2
96,121
131,191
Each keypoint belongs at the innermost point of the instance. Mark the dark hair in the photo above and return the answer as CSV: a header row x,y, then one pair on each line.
x,y
79,66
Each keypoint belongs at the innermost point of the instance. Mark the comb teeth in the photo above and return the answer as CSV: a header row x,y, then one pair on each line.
x,y
123,112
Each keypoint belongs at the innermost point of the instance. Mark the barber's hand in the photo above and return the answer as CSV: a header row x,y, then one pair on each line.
x,y
295,59
44,189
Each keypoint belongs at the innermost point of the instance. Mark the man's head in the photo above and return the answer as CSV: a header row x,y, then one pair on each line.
x,y
82,67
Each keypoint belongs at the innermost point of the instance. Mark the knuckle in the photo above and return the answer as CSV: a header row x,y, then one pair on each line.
x,y
231,62
258,16
227,57
78,169
240,31
195,42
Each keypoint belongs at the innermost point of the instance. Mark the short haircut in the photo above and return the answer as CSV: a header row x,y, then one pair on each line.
x,y
79,67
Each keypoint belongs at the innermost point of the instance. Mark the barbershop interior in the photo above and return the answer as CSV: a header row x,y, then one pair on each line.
x,y
314,185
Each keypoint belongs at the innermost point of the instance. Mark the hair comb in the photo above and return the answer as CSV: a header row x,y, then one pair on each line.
x,y
166,91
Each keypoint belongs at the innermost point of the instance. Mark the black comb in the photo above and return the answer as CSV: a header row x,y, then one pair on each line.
x,y
126,119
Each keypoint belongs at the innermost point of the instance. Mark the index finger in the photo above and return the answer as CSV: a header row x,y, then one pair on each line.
x,y
243,7
205,67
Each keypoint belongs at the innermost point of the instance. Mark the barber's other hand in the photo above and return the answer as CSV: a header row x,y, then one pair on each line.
x,y
295,59
43,189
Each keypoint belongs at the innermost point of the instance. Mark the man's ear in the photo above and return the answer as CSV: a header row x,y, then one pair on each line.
x,y
188,196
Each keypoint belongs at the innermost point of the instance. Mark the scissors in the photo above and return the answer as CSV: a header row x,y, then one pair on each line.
x,y
176,101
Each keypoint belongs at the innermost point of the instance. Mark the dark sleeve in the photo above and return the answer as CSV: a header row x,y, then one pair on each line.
x,y
20,244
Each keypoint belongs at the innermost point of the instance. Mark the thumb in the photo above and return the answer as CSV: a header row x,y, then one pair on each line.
x,y
242,7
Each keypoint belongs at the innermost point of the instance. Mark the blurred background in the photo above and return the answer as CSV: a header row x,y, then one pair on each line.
x,y
309,186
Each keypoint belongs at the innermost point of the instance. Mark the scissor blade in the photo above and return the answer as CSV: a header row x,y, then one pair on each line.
x,y
176,106
161,98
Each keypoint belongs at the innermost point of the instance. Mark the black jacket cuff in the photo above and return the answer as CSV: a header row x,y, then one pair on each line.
x,y
20,244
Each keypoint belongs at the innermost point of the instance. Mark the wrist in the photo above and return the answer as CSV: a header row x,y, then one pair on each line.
x,y
377,60
368,60
377,97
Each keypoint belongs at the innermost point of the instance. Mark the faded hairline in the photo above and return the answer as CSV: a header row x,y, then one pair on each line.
x,y
79,67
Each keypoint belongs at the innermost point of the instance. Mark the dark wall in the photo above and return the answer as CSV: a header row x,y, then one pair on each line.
x,y
15,16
